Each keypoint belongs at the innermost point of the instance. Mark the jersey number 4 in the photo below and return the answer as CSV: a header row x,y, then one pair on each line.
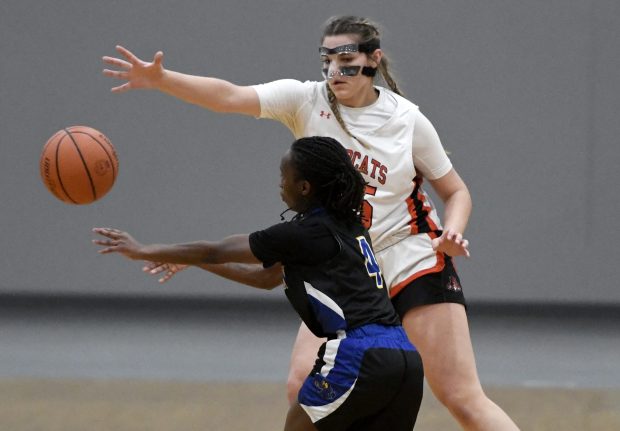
x,y
371,263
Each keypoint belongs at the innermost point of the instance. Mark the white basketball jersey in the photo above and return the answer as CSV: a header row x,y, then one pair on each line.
x,y
396,206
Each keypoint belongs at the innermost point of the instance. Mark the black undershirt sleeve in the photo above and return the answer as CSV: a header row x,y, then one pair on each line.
x,y
296,242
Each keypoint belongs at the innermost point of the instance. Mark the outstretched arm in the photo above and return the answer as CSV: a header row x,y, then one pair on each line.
x,y
235,248
253,275
211,93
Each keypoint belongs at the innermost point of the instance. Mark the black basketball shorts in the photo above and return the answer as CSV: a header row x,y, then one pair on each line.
x,y
433,288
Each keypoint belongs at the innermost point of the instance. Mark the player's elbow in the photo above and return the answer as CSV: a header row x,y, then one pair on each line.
x,y
270,278
271,284
268,283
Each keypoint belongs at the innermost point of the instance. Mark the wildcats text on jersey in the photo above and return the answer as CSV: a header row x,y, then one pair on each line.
x,y
369,166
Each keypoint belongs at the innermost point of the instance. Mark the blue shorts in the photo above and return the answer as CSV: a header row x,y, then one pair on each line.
x,y
371,378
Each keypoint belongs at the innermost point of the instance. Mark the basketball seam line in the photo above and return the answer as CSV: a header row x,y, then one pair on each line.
x,y
105,151
90,179
58,169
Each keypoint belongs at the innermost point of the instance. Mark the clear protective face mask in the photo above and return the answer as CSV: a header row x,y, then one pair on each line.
x,y
368,48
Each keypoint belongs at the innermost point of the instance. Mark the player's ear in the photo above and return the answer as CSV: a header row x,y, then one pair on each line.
x,y
305,188
376,57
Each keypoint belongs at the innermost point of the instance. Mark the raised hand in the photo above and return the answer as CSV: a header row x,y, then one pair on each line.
x,y
118,242
451,243
138,73
169,269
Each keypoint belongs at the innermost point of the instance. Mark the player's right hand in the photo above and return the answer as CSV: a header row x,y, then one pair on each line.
x,y
451,243
168,269
138,73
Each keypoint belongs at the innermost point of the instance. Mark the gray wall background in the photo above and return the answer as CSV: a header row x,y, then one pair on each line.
x,y
525,96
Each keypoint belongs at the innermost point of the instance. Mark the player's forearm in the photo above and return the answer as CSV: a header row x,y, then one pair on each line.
x,y
253,275
194,253
457,209
210,93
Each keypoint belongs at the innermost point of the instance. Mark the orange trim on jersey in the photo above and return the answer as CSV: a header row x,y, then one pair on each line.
x,y
418,205
433,234
411,207
414,216
429,220
439,266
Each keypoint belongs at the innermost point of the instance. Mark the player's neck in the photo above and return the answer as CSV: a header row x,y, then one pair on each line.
x,y
312,207
361,99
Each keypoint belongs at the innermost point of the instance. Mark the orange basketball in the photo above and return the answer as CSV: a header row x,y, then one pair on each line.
x,y
78,165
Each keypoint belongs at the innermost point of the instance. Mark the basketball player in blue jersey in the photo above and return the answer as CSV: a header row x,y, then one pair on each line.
x,y
367,375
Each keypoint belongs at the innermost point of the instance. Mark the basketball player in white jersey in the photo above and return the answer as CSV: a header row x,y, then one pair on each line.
x,y
394,146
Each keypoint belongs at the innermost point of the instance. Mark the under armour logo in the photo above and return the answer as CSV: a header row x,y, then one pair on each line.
x,y
325,114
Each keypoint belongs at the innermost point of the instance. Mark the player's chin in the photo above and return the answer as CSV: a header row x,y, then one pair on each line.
x,y
345,93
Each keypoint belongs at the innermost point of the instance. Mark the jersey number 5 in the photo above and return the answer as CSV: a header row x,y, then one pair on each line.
x,y
371,262
367,208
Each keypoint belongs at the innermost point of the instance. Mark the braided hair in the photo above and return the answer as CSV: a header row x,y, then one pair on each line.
x,y
337,185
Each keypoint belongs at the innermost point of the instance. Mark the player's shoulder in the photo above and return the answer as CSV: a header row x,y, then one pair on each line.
x,y
290,84
405,103
292,90
294,227
317,223
342,227
402,103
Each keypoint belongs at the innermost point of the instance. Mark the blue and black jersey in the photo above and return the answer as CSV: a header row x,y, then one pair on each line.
x,y
331,276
